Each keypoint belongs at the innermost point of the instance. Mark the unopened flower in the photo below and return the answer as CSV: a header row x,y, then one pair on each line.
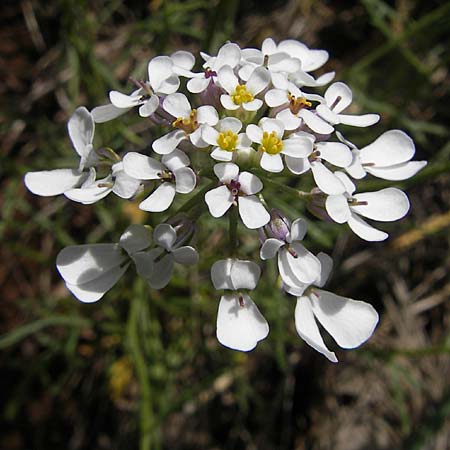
x,y
240,325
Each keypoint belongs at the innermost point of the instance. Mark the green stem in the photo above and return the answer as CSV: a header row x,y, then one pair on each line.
x,y
284,187
146,417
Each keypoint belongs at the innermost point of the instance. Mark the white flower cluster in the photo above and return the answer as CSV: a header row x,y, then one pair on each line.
x,y
243,119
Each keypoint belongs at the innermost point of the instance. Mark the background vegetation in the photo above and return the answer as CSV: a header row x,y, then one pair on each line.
x,y
142,369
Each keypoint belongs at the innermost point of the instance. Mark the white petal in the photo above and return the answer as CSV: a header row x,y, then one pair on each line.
x,y
95,289
314,122
364,230
272,125
81,130
276,97
326,180
245,72
210,135
281,62
184,59
165,236
145,264
290,121
185,255
135,238
226,172
207,114
297,147
221,155
227,79
244,274
167,143
228,55
254,133
399,172
240,327
305,267
297,165
219,201
326,266
298,230
365,120
346,181
105,113
335,153
159,69
230,124
142,167
90,194
169,85
196,138
268,46
53,182
327,114
270,248
227,102
120,100
250,184
177,105
308,330
175,160
221,274
197,85
258,81
254,105
355,169
149,106
79,264
162,272
349,322
160,199
271,163
185,180
338,96
124,185
392,147
386,205
252,212
337,208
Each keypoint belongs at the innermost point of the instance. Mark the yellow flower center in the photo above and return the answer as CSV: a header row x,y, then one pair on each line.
x,y
227,141
241,95
187,124
297,103
271,143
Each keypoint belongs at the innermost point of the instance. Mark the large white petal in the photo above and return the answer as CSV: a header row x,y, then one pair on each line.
x,y
92,193
207,114
95,289
53,182
197,85
227,102
120,100
326,266
165,236
297,165
184,59
398,172
392,147
105,113
250,184
228,55
81,128
314,122
226,172
219,201
270,248
307,328
365,231
258,81
210,135
276,97
272,125
221,274
335,153
326,180
298,230
386,205
169,85
177,105
160,199
142,167
159,69
349,322
337,208
186,255
290,121
272,163
145,264
281,62
230,124
162,272
149,106
240,327
297,147
244,274
365,120
338,96
252,212
305,266
79,264
185,180
167,143
254,105
124,185
254,133
135,238
227,79
175,160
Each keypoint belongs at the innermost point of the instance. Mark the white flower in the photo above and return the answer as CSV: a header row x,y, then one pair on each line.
x,y
237,189
295,263
386,205
54,182
172,171
89,271
350,322
188,124
337,98
269,136
226,139
388,157
240,325
168,251
242,95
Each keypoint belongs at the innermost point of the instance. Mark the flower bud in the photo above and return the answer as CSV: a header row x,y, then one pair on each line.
x,y
279,225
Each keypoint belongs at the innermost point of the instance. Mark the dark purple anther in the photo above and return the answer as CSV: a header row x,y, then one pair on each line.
x,y
210,73
234,187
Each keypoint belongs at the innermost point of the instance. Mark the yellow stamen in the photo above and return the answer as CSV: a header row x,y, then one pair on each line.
x,y
271,143
227,141
187,124
241,95
297,103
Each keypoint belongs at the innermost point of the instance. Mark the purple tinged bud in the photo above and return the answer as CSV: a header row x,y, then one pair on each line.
x,y
279,225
